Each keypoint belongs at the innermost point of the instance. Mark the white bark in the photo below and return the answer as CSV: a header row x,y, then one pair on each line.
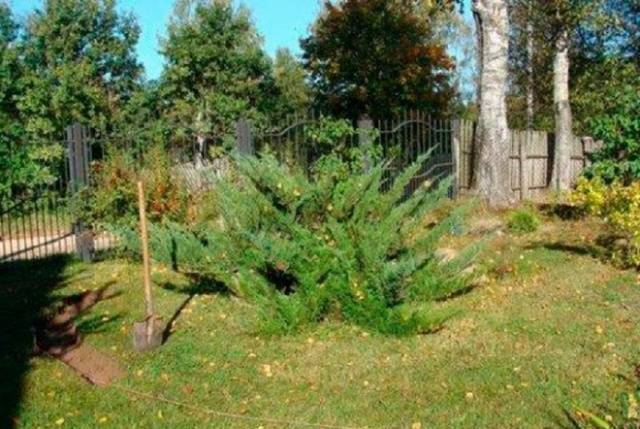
x,y
200,142
492,179
530,89
563,117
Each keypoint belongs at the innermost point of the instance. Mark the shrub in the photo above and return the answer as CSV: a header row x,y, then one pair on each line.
x,y
302,249
618,126
619,206
112,198
523,221
27,169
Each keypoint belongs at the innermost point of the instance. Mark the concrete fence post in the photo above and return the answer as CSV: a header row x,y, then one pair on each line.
x,y
244,138
365,137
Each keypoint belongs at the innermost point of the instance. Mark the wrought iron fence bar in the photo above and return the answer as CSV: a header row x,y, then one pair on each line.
x,y
31,249
57,220
2,235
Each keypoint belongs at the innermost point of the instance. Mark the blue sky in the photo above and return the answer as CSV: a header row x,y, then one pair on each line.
x,y
281,23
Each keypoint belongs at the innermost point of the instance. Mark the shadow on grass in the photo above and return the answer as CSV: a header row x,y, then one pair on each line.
x,y
35,318
597,250
576,249
197,286
26,290
563,211
457,293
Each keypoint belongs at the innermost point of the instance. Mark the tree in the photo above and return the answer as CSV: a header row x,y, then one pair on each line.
x,y
579,47
530,68
216,71
612,94
14,156
378,57
492,180
565,16
79,65
626,14
564,118
293,91
9,68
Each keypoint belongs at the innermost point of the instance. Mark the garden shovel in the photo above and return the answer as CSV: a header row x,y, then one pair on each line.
x,y
147,334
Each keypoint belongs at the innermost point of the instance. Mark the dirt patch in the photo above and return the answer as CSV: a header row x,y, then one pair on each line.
x,y
92,365
57,335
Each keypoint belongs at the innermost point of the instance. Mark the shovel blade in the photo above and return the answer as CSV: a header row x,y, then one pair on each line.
x,y
147,334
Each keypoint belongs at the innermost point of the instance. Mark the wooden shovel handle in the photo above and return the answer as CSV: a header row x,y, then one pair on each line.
x,y
144,236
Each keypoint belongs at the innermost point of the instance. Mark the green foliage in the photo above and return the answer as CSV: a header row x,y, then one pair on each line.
x,y
79,65
26,172
603,39
112,200
328,134
302,249
21,172
216,70
618,126
293,91
9,67
378,57
524,220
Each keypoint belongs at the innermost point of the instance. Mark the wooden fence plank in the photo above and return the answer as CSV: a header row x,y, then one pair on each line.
x,y
530,158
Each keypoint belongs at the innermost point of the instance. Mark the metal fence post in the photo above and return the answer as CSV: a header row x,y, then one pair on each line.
x,y
78,153
244,138
365,135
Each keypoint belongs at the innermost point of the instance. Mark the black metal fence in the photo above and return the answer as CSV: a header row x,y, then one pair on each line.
x,y
44,223
36,227
402,139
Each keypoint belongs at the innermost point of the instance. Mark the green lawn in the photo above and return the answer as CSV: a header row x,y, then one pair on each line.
x,y
553,327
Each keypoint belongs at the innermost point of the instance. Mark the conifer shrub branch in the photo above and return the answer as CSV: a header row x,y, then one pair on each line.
x,y
305,248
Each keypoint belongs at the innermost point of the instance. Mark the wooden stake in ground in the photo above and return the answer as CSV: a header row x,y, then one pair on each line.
x,y
147,334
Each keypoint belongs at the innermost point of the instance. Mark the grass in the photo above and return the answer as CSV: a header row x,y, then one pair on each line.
x,y
552,328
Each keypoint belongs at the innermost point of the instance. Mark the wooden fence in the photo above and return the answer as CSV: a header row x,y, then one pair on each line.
x,y
531,159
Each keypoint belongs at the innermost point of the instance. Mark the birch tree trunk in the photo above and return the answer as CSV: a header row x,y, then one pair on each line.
x,y
492,178
563,117
200,142
530,89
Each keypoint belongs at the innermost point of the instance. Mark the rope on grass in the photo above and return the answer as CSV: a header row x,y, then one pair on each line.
x,y
228,415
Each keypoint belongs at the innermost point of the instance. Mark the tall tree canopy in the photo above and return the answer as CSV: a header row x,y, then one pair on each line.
x,y
14,156
216,70
9,68
378,57
294,93
79,65
568,57
603,40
